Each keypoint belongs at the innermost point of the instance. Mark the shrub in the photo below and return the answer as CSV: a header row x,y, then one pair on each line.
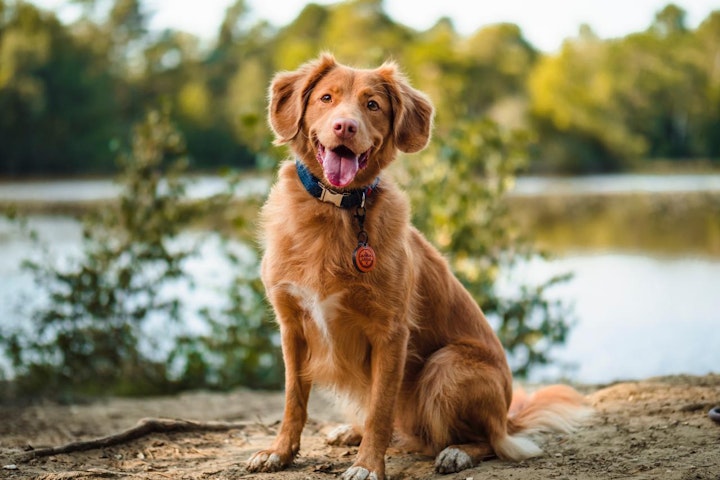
x,y
91,336
458,189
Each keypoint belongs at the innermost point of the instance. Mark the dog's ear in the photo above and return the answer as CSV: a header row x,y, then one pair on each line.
x,y
413,111
289,92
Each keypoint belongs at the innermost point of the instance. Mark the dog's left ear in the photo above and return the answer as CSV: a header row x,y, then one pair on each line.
x,y
413,111
289,92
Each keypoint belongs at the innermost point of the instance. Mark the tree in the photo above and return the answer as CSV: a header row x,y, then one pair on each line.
x,y
707,58
232,27
301,39
669,21
575,105
375,37
606,105
498,59
56,114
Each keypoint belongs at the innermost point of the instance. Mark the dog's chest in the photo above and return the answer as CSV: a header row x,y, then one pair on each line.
x,y
338,351
322,311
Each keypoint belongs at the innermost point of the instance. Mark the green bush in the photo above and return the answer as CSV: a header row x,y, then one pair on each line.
x,y
89,337
457,188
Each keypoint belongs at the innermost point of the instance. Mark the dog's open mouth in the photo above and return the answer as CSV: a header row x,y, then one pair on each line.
x,y
341,164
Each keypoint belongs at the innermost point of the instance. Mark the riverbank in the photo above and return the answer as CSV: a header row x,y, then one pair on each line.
x,y
655,428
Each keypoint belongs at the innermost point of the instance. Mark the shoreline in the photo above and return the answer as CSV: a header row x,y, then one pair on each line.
x,y
652,428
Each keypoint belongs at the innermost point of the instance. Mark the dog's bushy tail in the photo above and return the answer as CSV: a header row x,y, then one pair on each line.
x,y
557,408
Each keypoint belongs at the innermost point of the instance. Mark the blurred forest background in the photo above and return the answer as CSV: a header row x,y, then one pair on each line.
x,y
106,96
70,93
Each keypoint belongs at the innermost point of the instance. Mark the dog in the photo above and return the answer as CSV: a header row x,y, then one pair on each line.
x,y
365,304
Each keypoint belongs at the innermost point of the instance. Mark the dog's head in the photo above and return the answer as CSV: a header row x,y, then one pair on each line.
x,y
347,124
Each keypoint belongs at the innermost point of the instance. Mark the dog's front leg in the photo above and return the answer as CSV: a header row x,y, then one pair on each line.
x,y
297,390
387,364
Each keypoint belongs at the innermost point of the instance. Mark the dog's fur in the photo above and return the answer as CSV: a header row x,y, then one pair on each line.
x,y
405,342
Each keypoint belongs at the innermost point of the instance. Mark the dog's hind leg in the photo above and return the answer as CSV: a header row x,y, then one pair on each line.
x,y
456,458
463,395
345,435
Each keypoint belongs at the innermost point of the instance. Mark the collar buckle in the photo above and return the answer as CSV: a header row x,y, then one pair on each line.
x,y
331,196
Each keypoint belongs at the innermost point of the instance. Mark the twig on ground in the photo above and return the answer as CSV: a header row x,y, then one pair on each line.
x,y
144,427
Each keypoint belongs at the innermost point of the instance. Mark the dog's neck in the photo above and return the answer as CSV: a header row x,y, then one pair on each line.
x,y
349,199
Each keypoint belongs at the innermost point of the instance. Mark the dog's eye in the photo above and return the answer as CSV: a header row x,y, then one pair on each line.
x,y
373,105
326,98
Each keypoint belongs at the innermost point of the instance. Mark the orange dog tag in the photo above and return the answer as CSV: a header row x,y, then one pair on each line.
x,y
364,258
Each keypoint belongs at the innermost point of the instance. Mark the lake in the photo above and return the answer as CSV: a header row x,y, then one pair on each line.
x,y
639,313
74,190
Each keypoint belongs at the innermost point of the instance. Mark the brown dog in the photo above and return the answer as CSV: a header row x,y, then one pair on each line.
x,y
366,305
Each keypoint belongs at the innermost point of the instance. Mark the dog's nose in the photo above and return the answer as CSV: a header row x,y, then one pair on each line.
x,y
345,128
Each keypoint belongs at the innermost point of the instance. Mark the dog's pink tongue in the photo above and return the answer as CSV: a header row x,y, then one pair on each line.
x,y
340,170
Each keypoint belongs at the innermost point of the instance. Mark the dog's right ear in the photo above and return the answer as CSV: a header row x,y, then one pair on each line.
x,y
289,93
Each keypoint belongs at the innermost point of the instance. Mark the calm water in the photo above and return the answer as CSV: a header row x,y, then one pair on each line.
x,y
59,191
622,183
89,190
638,315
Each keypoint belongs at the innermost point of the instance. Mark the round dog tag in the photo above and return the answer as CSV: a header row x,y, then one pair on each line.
x,y
364,258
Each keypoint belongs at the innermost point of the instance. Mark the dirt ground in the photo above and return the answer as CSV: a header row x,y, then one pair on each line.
x,y
657,428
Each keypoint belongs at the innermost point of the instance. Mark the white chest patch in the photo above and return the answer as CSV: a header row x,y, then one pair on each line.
x,y
320,310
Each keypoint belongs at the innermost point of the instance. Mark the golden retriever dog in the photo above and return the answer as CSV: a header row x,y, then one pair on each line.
x,y
366,306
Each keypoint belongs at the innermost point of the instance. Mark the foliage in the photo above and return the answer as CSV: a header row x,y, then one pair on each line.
x,y
604,105
573,97
596,105
57,110
466,175
91,335
242,346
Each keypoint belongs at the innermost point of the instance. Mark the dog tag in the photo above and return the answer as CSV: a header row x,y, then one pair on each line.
x,y
364,258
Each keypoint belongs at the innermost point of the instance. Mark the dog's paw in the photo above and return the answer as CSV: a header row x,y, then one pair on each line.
x,y
344,435
452,460
359,473
265,461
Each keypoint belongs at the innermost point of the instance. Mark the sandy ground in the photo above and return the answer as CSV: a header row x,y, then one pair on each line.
x,y
652,429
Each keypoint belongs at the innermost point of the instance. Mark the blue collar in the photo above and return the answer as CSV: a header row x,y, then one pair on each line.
x,y
350,199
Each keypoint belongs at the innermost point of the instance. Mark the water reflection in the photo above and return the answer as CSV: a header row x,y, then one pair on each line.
x,y
638,316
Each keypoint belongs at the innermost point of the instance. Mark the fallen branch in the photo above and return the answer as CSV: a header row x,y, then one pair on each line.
x,y
144,427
